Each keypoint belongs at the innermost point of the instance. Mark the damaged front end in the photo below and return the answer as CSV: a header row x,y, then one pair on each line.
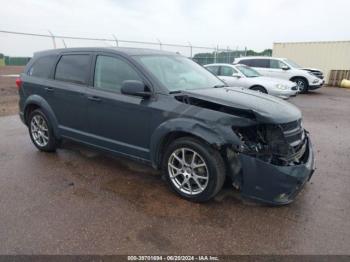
x,y
275,161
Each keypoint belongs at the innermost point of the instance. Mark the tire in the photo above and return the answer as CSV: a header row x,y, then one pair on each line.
x,y
302,84
259,89
40,131
196,189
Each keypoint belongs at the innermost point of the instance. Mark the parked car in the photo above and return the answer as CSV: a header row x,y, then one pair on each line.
x,y
244,76
306,78
171,113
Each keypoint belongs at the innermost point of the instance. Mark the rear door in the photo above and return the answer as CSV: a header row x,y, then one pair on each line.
x,y
66,94
117,121
260,65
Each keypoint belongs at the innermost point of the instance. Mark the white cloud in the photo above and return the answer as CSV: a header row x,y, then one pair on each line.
x,y
252,23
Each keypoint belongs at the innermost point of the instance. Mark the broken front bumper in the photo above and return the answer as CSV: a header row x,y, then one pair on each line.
x,y
277,185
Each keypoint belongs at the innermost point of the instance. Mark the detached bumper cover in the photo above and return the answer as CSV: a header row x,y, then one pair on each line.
x,y
277,185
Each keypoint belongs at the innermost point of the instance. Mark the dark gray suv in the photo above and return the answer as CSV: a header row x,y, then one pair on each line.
x,y
165,110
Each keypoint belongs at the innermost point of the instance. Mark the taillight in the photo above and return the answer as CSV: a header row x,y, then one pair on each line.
x,y
19,83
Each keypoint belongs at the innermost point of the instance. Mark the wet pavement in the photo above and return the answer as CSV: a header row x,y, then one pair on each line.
x,y
78,201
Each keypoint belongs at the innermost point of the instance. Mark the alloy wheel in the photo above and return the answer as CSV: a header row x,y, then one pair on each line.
x,y
188,171
39,130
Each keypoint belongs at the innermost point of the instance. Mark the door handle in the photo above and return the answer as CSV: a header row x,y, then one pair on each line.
x,y
49,89
94,98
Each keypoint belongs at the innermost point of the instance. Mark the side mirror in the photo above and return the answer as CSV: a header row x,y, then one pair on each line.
x,y
135,88
236,75
285,68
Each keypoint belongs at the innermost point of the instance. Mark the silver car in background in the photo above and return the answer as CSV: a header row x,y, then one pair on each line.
x,y
244,76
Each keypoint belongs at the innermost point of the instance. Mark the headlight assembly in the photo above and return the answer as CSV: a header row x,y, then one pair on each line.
x,y
281,86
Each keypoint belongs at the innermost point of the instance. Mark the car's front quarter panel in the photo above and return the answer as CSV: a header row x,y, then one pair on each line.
x,y
214,127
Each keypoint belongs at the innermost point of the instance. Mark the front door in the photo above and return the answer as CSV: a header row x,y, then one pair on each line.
x,y
116,121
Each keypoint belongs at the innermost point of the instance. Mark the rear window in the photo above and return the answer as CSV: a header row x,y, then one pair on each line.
x,y
245,62
42,67
73,68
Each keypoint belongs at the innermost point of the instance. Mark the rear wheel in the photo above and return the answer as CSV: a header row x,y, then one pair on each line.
x,y
193,169
40,131
302,84
259,89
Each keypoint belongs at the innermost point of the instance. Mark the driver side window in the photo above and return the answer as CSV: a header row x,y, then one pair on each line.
x,y
111,72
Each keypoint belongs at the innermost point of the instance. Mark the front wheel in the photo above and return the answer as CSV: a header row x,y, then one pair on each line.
x,y
193,169
302,84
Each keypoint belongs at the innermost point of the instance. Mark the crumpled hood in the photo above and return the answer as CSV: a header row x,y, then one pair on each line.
x,y
265,108
311,69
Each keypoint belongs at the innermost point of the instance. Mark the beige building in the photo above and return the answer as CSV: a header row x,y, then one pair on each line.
x,y
326,56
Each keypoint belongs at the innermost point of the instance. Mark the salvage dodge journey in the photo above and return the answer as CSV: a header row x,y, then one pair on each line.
x,y
165,110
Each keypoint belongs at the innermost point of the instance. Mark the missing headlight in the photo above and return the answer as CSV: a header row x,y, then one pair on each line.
x,y
266,142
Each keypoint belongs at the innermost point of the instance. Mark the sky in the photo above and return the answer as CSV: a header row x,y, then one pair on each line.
x,y
255,24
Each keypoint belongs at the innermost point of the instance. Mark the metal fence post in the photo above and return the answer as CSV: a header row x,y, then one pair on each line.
x,y
160,44
53,39
190,45
64,43
228,55
116,40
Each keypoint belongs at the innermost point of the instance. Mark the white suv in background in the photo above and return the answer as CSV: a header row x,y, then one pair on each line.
x,y
306,78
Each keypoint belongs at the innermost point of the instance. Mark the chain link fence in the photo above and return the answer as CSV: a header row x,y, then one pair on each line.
x,y
201,54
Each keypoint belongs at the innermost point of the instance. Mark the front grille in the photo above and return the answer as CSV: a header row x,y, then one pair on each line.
x,y
293,133
291,125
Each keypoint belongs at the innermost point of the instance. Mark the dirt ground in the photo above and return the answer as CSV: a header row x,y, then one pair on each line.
x,y
8,91
79,201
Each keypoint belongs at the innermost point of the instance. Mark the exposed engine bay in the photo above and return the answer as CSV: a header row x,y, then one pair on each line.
x,y
278,144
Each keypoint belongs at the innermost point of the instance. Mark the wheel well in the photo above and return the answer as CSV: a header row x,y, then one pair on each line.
x,y
170,138
29,109
258,86
301,77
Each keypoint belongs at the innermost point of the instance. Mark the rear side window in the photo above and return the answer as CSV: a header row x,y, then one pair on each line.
x,y
42,67
73,68
111,72
265,63
213,69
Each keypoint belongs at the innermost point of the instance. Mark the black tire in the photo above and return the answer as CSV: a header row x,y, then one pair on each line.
x,y
52,142
302,84
259,89
215,167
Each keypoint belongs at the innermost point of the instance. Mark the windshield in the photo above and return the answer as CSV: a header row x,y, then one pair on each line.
x,y
179,73
292,63
248,71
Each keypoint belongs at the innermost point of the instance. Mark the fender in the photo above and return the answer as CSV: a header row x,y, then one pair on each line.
x,y
215,135
46,108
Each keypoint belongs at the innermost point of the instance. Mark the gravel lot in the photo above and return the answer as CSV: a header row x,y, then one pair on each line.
x,y
78,201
